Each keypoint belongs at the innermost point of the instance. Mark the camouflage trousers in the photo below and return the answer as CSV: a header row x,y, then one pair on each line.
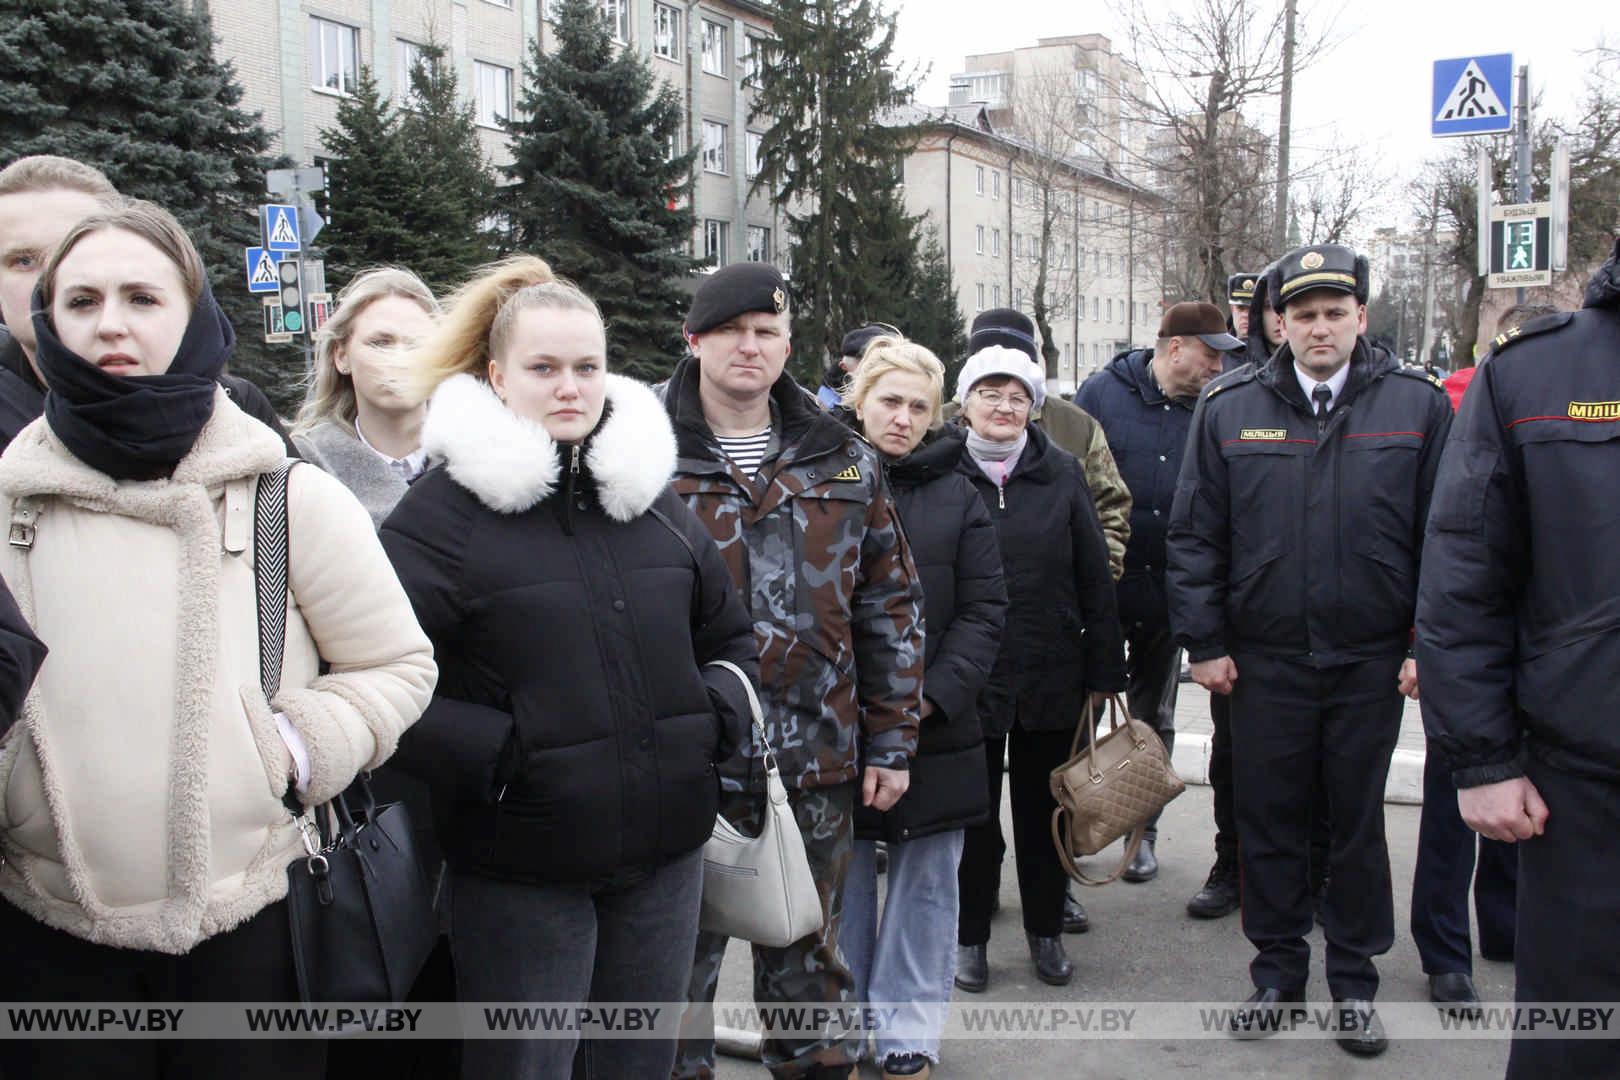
x,y
809,971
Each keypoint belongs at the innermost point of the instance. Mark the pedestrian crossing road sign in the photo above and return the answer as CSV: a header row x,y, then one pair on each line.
x,y
1473,95
261,271
280,224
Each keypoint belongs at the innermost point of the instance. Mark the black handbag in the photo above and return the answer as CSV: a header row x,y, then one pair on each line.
x,y
358,904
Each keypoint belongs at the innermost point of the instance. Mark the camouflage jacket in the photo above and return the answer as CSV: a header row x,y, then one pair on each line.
x,y
816,549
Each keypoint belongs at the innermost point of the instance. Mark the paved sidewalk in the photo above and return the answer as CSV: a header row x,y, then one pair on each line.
x,y
1144,948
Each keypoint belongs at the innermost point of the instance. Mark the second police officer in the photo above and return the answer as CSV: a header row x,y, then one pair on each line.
x,y
1293,554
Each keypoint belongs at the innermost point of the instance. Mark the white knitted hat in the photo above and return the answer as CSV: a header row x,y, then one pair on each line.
x,y
1000,360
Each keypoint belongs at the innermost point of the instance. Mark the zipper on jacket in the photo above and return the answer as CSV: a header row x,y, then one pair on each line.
x,y
1001,494
569,489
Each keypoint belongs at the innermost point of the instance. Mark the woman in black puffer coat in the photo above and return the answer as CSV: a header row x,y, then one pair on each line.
x,y
573,602
908,962
1062,642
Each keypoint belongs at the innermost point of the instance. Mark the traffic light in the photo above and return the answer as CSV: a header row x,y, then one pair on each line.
x,y
1520,242
292,296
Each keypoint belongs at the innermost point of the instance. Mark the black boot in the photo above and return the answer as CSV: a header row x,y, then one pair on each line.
x,y
1144,866
972,968
1075,919
1051,962
1220,895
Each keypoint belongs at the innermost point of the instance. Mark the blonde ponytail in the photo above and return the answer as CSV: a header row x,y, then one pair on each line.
x,y
460,344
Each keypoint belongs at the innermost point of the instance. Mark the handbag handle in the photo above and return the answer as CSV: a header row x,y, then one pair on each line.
x,y
753,706
1116,708
1132,843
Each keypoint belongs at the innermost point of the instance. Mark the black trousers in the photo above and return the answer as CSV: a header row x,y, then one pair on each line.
x,y
1153,674
1031,757
1296,727
1445,863
250,963
1568,946
1220,782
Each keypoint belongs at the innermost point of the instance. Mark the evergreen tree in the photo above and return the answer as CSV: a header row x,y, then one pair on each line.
x,y
407,188
825,86
455,188
133,88
595,190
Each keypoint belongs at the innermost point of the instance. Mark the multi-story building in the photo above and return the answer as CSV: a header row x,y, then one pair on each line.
x,y
297,59
1103,89
990,196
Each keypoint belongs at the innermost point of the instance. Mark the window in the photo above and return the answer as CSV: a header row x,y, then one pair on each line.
x,y
1018,299
717,241
334,56
981,296
1018,191
407,54
500,3
995,296
715,157
995,185
759,244
1082,207
1108,264
618,17
978,241
1018,245
995,243
978,179
1082,309
673,146
666,32
1096,261
1096,314
1110,309
753,58
715,54
756,143
492,93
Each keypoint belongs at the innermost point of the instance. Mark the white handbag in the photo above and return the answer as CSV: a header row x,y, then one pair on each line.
x,y
759,888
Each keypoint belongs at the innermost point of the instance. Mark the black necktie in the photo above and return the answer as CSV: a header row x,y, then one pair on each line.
x,y
1322,395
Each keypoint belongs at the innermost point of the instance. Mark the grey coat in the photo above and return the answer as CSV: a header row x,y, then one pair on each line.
x,y
336,449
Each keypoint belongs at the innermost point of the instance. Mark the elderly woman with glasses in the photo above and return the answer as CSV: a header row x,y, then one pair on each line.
x,y
1062,642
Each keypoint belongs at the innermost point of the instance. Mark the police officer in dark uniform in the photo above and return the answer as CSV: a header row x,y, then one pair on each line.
x,y
1519,641
1239,295
1293,561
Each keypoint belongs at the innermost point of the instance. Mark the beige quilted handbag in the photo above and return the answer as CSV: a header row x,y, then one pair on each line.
x,y
1110,789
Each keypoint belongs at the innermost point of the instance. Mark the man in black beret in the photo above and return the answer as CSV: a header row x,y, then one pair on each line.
x,y
800,509
1293,563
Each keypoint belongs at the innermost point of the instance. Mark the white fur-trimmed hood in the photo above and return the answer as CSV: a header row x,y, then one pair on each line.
x,y
511,464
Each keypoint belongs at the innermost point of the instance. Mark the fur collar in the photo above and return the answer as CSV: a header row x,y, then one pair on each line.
x,y
231,446
511,464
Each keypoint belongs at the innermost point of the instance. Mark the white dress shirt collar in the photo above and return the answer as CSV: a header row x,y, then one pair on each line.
x,y
407,468
1335,384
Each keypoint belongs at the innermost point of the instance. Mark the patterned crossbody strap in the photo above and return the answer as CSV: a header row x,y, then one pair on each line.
x,y
270,573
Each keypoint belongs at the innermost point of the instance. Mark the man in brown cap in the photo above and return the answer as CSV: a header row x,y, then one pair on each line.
x,y
1144,401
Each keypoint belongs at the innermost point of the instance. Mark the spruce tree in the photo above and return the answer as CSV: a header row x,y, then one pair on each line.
x,y
825,86
133,88
454,186
407,187
595,191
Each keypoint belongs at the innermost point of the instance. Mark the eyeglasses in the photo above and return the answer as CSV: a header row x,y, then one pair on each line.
x,y
996,399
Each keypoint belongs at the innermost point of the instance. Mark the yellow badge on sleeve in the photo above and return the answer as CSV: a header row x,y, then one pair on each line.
x,y
851,475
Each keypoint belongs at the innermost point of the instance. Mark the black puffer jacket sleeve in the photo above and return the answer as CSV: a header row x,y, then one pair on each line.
x,y
1094,584
458,745
967,651
721,628
1199,546
1474,565
21,654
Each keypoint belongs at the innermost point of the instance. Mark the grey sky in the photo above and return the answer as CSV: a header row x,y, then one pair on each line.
x,y
1371,90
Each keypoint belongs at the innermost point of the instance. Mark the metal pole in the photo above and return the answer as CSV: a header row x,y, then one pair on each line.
x,y
303,286
1279,229
1523,146
1428,279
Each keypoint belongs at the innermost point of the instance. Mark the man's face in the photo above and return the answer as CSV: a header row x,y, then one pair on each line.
x,y
1321,326
32,223
743,358
1189,365
1240,319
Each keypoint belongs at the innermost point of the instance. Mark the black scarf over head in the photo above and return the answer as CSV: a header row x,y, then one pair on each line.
x,y
134,427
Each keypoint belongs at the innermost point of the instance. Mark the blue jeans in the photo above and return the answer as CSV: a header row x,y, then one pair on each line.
x,y
621,940
907,963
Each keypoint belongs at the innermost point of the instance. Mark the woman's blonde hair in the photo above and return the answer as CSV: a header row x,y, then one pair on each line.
x,y
148,221
886,354
330,394
480,317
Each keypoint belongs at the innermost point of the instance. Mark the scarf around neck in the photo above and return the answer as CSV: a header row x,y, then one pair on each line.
x,y
134,427
996,459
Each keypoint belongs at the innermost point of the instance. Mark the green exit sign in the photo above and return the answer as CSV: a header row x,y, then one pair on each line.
x,y
1521,246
